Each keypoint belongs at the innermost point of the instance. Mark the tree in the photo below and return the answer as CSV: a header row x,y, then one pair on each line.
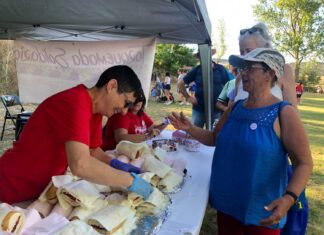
x,y
219,43
309,74
171,57
297,27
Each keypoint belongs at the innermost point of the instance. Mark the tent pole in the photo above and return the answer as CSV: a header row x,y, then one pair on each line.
x,y
207,73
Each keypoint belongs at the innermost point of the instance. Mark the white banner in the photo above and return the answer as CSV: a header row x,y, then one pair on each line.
x,y
45,68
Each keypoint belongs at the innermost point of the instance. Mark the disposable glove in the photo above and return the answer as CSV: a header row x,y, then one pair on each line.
x,y
115,163
140,187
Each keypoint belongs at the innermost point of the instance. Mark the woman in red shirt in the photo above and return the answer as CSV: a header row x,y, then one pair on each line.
x,y
299,91
135,126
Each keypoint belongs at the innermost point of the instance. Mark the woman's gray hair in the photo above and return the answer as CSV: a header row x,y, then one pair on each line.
x,y
260,32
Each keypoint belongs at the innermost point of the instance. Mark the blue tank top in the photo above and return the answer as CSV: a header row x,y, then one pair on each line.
x,y
250,163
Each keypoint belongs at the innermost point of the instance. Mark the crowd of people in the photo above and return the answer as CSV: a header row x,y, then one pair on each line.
x,y
260,167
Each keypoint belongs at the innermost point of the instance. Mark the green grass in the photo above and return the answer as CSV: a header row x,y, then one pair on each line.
x,y
312,114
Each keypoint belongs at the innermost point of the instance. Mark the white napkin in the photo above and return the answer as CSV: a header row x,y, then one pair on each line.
x,y
46,226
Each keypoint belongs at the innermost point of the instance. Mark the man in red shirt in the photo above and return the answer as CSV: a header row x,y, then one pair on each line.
x,y
65,130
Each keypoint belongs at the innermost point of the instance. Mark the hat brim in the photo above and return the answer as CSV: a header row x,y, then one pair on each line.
x,y
241,61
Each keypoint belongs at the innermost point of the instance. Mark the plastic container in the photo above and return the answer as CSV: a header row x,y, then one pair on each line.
x,y
192,145
179,136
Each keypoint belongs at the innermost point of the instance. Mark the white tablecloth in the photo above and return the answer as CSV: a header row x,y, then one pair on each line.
x,y
189,205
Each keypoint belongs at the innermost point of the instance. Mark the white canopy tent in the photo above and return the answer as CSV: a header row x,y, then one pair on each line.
x,y
170,21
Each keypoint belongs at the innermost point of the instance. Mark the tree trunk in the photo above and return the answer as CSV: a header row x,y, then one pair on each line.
x,y
297,69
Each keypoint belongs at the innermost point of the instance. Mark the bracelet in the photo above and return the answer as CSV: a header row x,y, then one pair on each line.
x,y
293,195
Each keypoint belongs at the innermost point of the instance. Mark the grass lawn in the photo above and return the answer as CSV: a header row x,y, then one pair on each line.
x,y
312,113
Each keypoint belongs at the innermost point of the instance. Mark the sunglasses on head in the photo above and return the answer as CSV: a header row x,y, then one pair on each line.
x,y
250,30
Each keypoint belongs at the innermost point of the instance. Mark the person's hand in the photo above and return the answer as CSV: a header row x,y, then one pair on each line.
x,y
141,187
192,100
161,126
280,208
180,121
115,163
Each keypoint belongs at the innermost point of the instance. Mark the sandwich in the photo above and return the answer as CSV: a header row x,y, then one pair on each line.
x,y
49,194
111,219
130,149
151,177
81,213
154,165
79,193
170,182
11,221
134,199
155,204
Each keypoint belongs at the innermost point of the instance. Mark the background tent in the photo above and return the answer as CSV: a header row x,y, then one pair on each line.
x,y
170,21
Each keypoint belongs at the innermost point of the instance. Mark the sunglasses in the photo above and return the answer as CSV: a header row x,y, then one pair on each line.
x,y
250,69
250,30
128,103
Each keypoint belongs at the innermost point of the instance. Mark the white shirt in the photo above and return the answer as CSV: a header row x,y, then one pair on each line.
x,y
241,94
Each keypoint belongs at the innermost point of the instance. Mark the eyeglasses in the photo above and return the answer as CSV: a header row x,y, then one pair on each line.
x,y
250,69
250,30
128,103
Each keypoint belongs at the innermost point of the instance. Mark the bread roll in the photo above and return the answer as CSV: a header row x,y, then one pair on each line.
x,y
110,219
130,149
11,221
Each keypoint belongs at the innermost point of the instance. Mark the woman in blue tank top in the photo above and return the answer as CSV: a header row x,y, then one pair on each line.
x,y
248,185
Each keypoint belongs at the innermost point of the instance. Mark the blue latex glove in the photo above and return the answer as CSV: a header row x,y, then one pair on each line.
x,y
115,163
140,187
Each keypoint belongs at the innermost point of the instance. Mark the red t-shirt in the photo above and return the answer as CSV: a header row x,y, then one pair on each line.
x,y
39,154
135,124
299,89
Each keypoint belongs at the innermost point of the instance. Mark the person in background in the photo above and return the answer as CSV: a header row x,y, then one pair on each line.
x,y
253,139
299,91
220,78
181,74
255,37
135,126
167,88
65,130
223,98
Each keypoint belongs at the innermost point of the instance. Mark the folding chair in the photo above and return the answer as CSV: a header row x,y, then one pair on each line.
x,y
10,101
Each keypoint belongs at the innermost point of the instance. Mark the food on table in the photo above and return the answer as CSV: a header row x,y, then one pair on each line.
x,y
155,204
81,213
11,221
154,165
58,209
151,177
168,145
112,218
79,193
130,149
170,182
43,208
